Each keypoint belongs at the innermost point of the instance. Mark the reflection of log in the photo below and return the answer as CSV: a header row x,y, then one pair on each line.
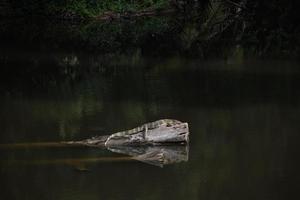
x,y
161,132
34,145
67,161
155,155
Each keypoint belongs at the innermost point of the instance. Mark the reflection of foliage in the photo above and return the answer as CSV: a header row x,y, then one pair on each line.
x,y
238,151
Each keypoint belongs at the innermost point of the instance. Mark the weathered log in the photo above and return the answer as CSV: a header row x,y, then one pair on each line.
x,y
161,132
98,141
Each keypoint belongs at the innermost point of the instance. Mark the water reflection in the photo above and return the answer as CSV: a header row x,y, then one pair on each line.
x,y
155,155
243,121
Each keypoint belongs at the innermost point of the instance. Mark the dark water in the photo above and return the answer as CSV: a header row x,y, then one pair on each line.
x,y
244,125
243,117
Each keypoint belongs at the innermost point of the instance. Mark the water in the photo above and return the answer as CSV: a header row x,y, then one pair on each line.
x,y
243,116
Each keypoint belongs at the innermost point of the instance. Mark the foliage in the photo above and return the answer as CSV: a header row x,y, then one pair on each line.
x,y
80,8
261,27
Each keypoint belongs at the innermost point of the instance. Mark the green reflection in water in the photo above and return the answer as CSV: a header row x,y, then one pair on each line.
x,y
243,122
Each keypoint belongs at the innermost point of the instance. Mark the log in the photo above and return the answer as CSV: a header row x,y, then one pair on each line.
x,y
161,132
157,143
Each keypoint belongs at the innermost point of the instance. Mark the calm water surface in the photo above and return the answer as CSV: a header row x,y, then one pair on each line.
x,y
243,118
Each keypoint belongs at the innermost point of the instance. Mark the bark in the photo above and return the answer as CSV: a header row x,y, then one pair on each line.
x,y
161,132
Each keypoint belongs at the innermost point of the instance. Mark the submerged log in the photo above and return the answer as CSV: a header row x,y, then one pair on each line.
x,y
161,132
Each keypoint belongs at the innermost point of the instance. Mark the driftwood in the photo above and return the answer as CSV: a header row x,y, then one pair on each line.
x,y
147,143
157,143
161,132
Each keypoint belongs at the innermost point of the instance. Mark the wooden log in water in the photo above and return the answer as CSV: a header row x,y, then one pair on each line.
x,y
161,132
154,133
98,141
158,143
